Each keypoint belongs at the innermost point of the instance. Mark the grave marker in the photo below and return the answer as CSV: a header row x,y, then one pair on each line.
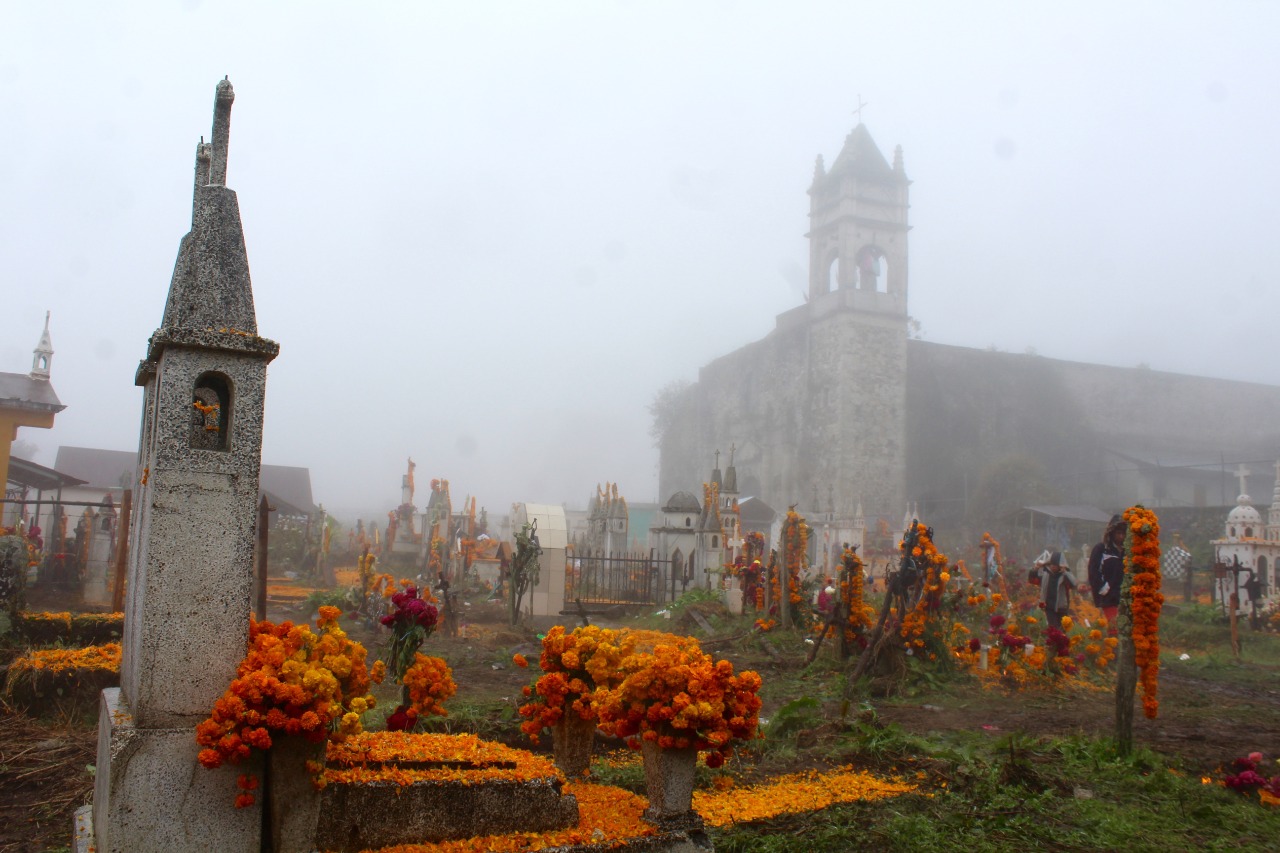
x,y
190,570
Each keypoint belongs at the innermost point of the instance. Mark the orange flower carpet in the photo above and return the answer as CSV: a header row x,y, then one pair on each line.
x,y
610,817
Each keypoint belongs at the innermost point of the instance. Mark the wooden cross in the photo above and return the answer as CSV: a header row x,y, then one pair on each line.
x,y
858,111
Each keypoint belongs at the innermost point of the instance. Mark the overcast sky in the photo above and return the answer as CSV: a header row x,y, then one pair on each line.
x,y
486,234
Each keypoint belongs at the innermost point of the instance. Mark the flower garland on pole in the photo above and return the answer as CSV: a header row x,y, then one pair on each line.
x,y
922,615
795,551
1139,622
857,615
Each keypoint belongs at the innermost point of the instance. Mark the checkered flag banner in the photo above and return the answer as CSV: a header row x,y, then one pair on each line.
x,y
1174,562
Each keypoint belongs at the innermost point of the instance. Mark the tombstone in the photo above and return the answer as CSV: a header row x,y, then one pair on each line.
x,y
191,547
97,558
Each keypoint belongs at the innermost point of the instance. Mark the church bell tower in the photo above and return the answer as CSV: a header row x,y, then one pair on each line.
x,y
858,228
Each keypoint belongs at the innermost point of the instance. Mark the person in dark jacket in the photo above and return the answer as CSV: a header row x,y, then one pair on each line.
x,y
1106,570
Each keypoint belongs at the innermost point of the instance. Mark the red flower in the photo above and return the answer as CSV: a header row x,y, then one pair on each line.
x,y
401,719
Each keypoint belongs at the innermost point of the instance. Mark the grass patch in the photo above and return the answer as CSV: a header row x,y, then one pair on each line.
x,y
1022,793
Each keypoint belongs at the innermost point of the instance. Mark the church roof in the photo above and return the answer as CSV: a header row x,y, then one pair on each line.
x,y
861,158
24,472
20,391
287,487
683,502
755,513
1073,512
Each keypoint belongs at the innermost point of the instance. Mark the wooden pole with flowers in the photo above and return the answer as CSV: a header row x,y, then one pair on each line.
x,y
1138,659
795,550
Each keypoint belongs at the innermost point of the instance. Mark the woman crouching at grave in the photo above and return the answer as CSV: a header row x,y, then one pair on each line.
x,y
1056,584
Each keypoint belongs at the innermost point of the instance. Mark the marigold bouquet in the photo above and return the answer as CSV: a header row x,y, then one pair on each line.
x,y
428,683
575,664
292,681
679,697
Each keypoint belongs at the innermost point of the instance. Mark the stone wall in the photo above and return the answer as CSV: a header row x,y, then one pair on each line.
x,y
818,402
840,397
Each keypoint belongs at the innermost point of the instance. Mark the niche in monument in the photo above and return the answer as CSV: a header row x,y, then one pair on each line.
x,y
211,415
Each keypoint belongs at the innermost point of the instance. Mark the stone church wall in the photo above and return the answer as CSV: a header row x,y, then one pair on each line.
x,y
814,404
844,400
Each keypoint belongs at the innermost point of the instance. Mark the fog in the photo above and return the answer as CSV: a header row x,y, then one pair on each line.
x,y
486,234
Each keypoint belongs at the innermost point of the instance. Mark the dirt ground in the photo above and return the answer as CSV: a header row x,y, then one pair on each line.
x,y
1204,723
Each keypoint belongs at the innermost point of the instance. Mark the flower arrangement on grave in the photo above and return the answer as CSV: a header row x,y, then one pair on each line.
x,y
1247,780
574,665
427,683
412,619
1141,592
44,628
292,681
678,697
62,676
210,413
364,570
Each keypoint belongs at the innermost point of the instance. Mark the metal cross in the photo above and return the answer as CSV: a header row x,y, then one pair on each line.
x,y
858,111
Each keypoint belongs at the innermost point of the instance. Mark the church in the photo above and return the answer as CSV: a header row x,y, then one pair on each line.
x,y
838,407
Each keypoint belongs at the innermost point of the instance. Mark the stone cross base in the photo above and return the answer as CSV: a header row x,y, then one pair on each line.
x,y
151,795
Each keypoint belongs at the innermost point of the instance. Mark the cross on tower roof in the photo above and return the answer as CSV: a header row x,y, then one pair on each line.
x,y
858,111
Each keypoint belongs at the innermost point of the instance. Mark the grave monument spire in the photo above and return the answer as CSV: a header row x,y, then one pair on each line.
x,y
42,355
190,580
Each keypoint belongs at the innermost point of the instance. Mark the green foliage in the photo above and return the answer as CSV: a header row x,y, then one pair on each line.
x,y
1026,793
346,599
697,595
492,720
798,715
629,775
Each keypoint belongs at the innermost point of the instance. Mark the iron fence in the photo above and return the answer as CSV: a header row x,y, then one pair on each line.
x,y
596,578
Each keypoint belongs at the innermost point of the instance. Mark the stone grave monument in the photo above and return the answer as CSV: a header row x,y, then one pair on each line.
x,y
190,566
